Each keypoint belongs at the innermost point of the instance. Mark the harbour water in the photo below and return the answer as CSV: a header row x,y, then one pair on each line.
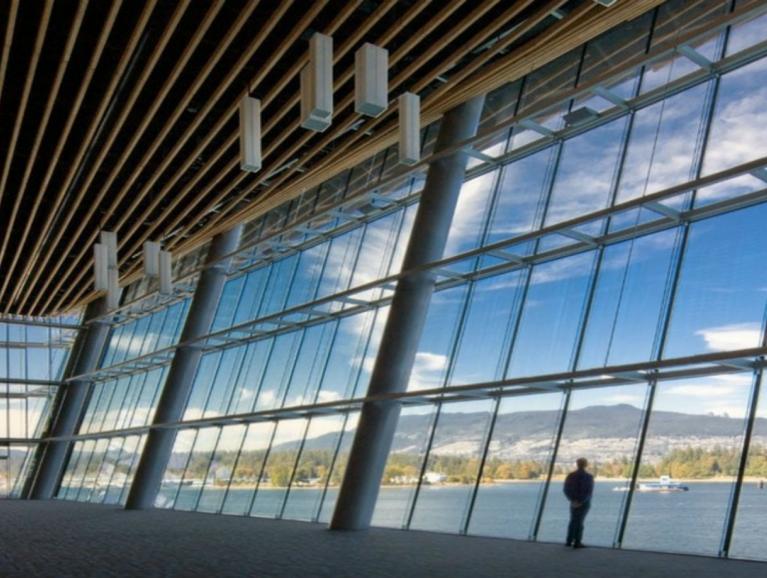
x,y
687,522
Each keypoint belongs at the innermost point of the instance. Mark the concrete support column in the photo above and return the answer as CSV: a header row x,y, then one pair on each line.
x,y
407,314
69,406
183,368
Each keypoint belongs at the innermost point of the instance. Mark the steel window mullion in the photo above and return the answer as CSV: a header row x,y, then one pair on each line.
x,y
235,463
580,332
172,505
207,469
265,459
321,502
281,509
623,515
734,505
114,470
483,459
129,475
422,470
549,474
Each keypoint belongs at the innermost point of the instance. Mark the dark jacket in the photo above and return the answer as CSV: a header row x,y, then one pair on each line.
x,y
579,485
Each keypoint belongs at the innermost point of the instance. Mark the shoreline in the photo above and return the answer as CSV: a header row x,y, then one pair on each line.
x,y
617,481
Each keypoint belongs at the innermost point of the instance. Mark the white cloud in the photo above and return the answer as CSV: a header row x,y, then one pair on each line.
x,y
427,369
731,337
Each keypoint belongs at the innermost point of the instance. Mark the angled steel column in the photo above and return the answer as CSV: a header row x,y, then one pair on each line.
x,y
407,314
178,385
69,406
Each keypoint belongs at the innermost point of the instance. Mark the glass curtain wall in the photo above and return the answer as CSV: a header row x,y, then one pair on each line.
x,y
291,468
33,353
646,293
569,259
100,468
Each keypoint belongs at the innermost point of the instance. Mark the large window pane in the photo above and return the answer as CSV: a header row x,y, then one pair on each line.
x,y
551,316
452,466
587,168
515,469
738,128
439,332
695,437
220,469
664,139
403,467
338,470
601,425
625,318
174,472
196,469
484,341
720,299
279,467
521,196
313,468
248,468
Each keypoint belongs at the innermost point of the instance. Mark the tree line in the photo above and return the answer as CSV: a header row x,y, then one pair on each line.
x,y
316,467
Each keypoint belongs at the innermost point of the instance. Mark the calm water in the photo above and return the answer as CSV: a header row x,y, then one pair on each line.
x,y
689,522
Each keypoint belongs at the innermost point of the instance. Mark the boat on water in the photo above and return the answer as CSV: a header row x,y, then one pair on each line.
x,y
665,485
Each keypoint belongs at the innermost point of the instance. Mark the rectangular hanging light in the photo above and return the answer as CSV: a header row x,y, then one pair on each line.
x,y
166,278
317,84
100,267
109,240
250,134
371,80
409,128
112,276
151,259
113,289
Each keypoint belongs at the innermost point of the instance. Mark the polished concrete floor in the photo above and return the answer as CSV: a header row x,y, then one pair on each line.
x,y
61,539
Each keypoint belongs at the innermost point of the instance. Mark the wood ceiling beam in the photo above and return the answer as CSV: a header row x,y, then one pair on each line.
x,y
85,144
348,45
127,108
233,138
295,69
432,111
408,72
182,197
42,30
481,74
347,101
190,131
106,30
53,95
457,29
10,27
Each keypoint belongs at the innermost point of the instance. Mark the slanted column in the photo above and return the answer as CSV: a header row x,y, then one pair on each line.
x,y
183,368
407,315
70,404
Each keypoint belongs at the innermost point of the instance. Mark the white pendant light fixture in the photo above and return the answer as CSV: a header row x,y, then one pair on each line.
x,y
409,128
108,253
157,265
317,85
371,80
250,134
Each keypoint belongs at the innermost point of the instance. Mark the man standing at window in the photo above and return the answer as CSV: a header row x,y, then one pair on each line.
x,y
579,486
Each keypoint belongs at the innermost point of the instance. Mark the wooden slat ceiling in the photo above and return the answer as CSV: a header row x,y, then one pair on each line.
x,y
122,114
